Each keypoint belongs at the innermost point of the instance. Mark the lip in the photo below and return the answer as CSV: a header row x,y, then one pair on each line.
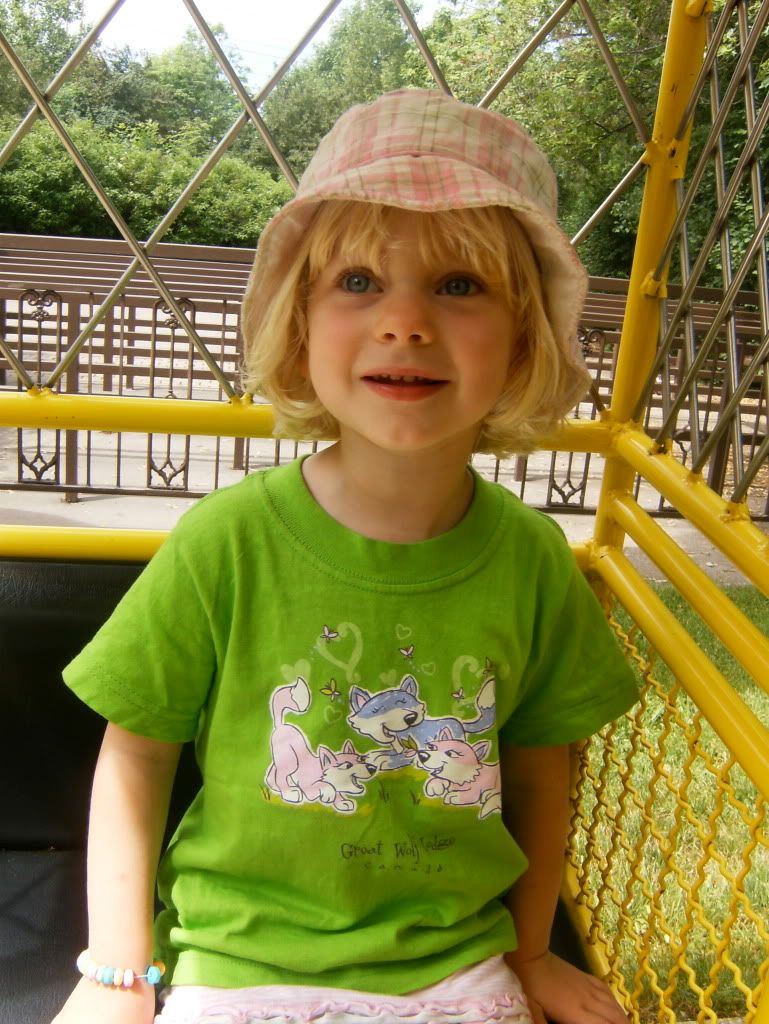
x,y
402,371
402,392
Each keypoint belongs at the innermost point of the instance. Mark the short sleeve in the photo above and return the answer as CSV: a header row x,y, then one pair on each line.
x,y
577,678
150,667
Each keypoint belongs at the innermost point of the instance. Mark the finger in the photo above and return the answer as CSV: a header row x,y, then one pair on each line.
x,y
601,1005
602,1013
605,995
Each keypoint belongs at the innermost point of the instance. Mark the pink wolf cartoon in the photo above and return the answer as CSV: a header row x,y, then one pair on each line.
x,y
459,774
296,774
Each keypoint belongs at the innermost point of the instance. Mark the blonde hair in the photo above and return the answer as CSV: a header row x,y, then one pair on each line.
x,y
544,380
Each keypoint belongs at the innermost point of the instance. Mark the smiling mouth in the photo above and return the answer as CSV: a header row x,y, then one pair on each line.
x,y
391,378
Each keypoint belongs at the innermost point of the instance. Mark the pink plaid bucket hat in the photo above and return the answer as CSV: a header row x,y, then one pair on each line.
x,y
422,150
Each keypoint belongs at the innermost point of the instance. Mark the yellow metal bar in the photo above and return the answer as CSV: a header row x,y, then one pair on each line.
x,y
239,417
583,921
42,408
727,525
666,158
748,644
64,543
92,544
762,1013
580,436
583,554
740,730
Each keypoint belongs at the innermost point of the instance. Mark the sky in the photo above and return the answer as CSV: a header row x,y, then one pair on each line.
x,y
264,31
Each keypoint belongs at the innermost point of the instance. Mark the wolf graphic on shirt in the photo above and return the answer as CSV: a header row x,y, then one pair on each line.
x,y
459,774
397,717
296,774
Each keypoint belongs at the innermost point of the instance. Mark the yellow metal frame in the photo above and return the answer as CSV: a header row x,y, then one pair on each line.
x,y
628,451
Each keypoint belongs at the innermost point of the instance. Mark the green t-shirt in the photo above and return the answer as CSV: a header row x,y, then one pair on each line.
x,y
347,698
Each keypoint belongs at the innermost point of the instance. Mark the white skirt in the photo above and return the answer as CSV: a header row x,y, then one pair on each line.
x,y
486,993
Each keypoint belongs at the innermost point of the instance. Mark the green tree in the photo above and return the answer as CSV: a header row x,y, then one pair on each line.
x,y
181,88
42,192
189,89
43,33
110,88
369,51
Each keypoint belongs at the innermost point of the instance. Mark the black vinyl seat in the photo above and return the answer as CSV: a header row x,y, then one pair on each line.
x,y
50,741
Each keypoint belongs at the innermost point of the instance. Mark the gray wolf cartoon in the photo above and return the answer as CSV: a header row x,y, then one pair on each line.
x,y
397,717
459,774
296,774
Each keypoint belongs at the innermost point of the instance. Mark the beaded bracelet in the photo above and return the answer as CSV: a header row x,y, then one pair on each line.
x,y
118,977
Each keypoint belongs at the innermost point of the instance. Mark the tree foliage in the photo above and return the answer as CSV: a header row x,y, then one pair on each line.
x,y
368,52
43,33
143,173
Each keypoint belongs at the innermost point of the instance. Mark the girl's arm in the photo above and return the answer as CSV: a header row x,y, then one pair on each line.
x,y
129,806
536,811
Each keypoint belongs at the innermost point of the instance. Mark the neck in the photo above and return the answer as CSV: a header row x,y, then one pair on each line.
x,y
397,498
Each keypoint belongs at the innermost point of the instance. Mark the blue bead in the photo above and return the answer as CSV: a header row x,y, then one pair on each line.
x,y
153,975
108,975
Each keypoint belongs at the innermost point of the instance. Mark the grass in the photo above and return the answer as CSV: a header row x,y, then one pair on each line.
x,y
677,854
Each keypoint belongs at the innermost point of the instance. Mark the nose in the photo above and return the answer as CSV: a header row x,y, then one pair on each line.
x,y
404,316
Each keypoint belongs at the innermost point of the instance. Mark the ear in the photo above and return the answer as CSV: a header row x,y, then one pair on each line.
x,y
358,698
325,756
481,749
409,684
445,734
348,748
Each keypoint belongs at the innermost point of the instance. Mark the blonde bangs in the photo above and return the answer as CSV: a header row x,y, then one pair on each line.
x,y
362,231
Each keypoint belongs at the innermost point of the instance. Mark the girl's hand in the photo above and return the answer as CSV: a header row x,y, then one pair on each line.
x,y
557,991
97,1004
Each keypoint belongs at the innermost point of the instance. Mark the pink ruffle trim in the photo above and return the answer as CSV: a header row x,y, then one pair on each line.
x,y
494,1008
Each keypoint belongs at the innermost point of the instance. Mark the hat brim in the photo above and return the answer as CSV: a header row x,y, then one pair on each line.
x,y
429,184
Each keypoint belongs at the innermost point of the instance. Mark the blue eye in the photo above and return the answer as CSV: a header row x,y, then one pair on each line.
x,y
356,282
459,287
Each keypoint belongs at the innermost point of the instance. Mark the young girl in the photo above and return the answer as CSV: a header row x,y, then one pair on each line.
x,y
381,657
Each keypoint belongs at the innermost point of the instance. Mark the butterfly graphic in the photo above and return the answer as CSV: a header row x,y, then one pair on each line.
x,y
328,634
331,690
407,652
458,694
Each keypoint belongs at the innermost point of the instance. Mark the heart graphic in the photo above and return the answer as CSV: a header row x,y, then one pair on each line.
x,y
403,632
332,714
428,669
326,650
292,672
465,663
389,679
